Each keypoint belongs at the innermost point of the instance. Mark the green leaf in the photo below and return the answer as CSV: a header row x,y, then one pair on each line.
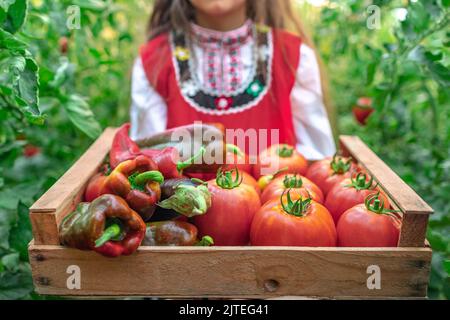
x,y
4,4
29,86
11,261
94,5
82,116
15,285
9,41
20,233
6,218
447,266
16,15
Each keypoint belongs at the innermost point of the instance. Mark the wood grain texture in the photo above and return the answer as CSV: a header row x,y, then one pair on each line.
x,y
237,272
66,193
414,209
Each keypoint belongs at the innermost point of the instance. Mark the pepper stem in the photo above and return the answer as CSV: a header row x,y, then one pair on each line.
x,y
360,182
374,203
285,151
110,233
142,178
187,163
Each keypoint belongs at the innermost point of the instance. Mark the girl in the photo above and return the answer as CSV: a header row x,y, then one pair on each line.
x,y
230,61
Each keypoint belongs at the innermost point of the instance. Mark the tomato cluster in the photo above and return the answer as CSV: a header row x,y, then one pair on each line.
x,y
332,202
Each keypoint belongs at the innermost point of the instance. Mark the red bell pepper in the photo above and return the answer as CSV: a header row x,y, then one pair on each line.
x,y
136,181
107,225
123,148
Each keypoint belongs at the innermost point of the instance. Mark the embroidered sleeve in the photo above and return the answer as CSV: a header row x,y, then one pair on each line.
x,y
311,122
148,110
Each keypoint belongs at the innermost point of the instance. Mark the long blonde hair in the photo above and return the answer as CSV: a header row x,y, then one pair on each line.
x,y
170,15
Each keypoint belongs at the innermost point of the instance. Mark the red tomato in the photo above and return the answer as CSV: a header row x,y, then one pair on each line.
x,y
306,223
249,180
350,192
236,158
31,151
368,225
363,110
278,157
233,206
295,182
326,173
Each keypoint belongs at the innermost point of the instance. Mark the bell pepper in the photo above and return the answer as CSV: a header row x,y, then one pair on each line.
x,y
210,136
174,233
136,181
169,163
123,148
107,226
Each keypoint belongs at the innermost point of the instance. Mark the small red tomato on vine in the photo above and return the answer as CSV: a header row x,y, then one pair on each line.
x,y
31,151
280,156
326,173
233,205
63,45
289,222
362,110
350,192
369,225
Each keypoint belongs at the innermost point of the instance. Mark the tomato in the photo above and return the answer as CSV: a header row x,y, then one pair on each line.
x,y
326,173
31,151
363,110
288,222
236,158
295,182
350,192
233,206
368,225
279,157
249,180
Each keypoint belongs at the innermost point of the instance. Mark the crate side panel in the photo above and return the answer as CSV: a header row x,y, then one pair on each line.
x,y
233,272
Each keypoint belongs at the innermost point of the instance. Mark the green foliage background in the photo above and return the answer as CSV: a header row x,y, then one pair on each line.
x,y
60,101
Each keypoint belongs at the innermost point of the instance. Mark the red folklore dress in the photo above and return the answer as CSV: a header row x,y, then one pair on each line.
x,y
245,79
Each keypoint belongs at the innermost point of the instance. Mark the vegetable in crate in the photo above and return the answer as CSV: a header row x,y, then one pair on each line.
x,y
233,207
296,182
369,225
136,180
349,193
280,156
209,136
123,148
189,197
169,163
174,233
107,226
328,172
293,221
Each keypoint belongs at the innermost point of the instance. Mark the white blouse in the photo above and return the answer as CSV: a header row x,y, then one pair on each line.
x,y
311,123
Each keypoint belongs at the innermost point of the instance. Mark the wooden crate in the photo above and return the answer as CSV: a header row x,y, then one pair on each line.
x,y
231,272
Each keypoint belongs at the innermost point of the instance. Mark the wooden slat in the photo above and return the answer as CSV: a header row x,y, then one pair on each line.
x,y
415,210
234,272
66,193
